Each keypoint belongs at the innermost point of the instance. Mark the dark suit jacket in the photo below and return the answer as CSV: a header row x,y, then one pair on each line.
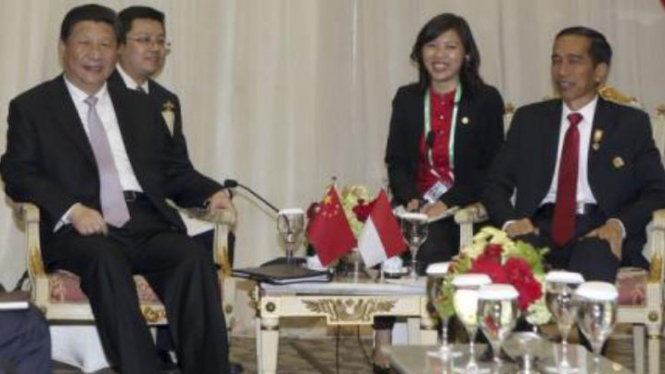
x,y
476,143
162,98
625,173
49,160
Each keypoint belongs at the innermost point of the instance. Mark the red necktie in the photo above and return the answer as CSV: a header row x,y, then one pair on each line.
x,y
563,222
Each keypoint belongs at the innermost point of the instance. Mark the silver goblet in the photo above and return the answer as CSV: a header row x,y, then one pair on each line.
x,y
436,284
291,227
560,289
414,230
498,311
465,301
596,313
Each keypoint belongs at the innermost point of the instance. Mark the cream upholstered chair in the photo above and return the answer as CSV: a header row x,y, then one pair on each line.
x,y
58,294
640,291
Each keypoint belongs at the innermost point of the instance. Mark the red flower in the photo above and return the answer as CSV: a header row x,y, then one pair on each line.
x,y
362,209
488,266
519,274
491,253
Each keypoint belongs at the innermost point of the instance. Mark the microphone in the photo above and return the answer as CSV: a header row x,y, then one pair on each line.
x,y
232,183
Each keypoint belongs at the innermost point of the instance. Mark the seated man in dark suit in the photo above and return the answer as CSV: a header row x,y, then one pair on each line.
x,y
99,163
585,172
141,55
25,343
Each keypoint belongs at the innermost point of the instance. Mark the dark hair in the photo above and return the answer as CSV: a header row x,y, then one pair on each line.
x,y
438,25
600,50
129,14
88,12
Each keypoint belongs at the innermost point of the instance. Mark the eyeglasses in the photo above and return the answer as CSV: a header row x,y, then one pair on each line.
x,y
147,40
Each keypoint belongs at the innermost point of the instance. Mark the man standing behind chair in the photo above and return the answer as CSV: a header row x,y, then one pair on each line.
x,y
585,172
99,163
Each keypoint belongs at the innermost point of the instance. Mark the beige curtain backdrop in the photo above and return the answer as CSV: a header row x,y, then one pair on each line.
x,y
284,94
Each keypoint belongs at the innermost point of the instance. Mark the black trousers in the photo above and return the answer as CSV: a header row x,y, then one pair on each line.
x,y
177,268
591,257
441,245
25,343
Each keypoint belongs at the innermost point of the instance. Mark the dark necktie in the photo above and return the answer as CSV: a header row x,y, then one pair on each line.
x,y
563,221
114,207
140,89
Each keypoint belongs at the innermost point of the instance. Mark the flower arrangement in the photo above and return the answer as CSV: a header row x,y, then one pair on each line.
x,y
505,261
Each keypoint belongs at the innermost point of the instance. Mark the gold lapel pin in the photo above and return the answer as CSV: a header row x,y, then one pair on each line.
x,y
465,120
618,162
168,106
597,137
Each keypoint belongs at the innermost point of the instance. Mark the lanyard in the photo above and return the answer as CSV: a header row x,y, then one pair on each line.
x,y
453,127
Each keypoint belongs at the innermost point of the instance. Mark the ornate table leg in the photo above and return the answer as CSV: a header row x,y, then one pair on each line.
x,y
267,336
428,332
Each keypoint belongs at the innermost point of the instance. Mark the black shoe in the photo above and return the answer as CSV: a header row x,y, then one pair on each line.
x,y
235,368
376,369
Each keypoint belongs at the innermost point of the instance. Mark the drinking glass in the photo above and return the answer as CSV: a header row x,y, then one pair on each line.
x,y
465,301
498,311
560,288
596,313
414,229
436,284
291,227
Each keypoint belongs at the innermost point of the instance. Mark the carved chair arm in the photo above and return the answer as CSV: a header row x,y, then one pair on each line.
x,y
28,215
474,213
657,246
224,220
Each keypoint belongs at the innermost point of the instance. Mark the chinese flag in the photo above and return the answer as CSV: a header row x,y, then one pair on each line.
x,y
329,231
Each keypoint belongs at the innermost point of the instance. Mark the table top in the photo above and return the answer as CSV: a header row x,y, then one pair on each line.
x,y
415,360
352,287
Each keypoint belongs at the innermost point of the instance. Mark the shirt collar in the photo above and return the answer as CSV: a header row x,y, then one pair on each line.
x,y
586,111
79,96
447,98
129,81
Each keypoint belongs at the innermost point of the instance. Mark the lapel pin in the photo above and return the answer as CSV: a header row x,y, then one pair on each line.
x,y
465,120
618,162
597,137
168,106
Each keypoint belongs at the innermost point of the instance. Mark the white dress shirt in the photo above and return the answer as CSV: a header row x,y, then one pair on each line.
x,y
106,114
584,193
130,82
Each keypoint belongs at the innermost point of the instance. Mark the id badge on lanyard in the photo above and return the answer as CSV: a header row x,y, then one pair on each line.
x,y
439,188
435,192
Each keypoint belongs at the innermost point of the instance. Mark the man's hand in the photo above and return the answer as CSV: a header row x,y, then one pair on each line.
x,y
611,232
413,205
88,221
433,210
221,200
521,227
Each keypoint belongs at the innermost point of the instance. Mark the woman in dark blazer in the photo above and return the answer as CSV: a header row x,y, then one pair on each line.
x,y
444,132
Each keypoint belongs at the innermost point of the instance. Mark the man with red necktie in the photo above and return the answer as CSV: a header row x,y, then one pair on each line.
x,y
585,172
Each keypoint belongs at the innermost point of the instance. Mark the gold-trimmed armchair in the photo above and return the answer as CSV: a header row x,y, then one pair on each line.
x,y
59,296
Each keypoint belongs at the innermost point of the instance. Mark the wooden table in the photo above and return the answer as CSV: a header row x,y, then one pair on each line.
x,y
341,302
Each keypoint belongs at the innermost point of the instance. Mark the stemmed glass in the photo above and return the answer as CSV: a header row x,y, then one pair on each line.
x,y
498,311
414,229
560,288
436,283
596,313
291,226
465,301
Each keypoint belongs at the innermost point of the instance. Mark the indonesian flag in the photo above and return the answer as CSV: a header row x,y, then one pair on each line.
x,y
381,237
329,231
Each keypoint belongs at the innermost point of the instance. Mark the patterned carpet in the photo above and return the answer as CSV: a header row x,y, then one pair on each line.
x,y
300,356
